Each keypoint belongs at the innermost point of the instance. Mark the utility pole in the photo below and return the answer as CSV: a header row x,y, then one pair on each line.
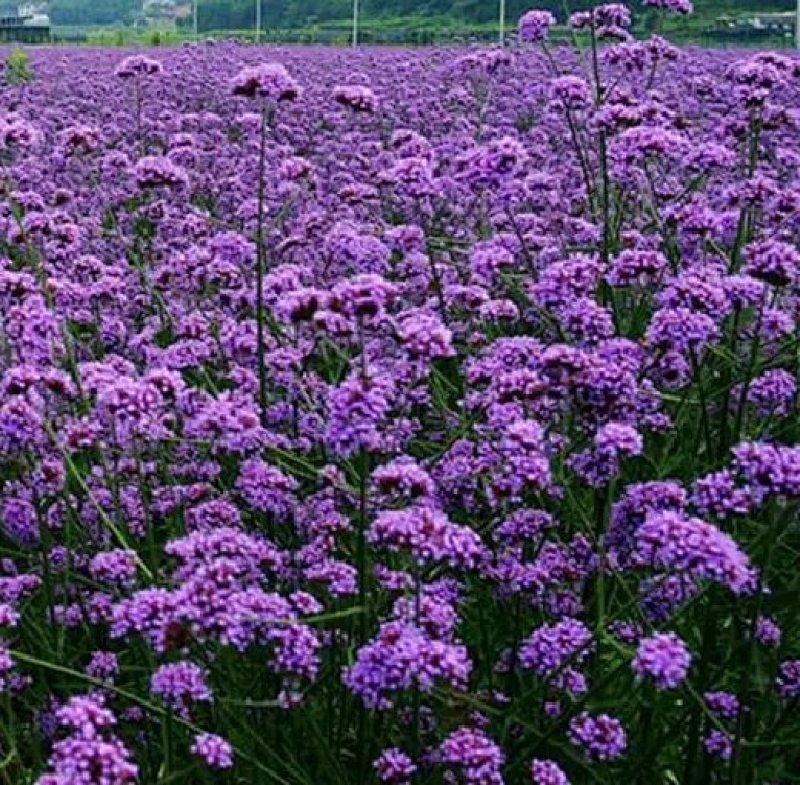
x,y
355,22
503,21
194,19
258,21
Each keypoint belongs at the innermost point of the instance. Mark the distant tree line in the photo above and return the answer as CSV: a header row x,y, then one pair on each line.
x,y
92,12
240,14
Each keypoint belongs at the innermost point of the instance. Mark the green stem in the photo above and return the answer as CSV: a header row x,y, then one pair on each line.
x,y
260,270
361,551
738,773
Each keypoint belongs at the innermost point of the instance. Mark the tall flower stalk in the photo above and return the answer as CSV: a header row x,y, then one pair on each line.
x,y
269,84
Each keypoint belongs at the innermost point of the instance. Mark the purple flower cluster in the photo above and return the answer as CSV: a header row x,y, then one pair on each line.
x,y
268,80
534,26
427,535
213,750
601,737
401,658
669,541
475,758
555,650
546,772
180,684
663,658
409,414
91,752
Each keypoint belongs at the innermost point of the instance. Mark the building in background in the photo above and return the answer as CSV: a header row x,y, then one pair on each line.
x,y
754,26
165,14
29,25
34,8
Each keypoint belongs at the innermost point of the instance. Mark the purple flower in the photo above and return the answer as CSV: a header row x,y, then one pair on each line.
x,y
358,98
775,262
768,633
213,751
103,665
665,594
156,171
788,681
722,704
586,322
358,413
602,16
616,439
365,296
8,616
683,7
534,26
663,658
571,92
180,683
636,268
680,329
553,646
266,489
403,477
6,667
268,80
137,66
474,756
394,767
426,534
424,336
635,504
90,747
643,144
772,393
116,567
402,658
719,744
769,469
601,737
547,772
719,494
668,541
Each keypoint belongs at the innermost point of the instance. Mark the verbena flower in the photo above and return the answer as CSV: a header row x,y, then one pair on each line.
x,y
394,767
358,98
547,772
722,704
683,7
668,541
788,680
180,684
719,744
601,737
267,80
213,751
534,26
664,658
403,658
475,758
138,66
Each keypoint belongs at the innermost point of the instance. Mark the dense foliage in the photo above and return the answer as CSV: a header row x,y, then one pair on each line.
x,y
240,14
401,416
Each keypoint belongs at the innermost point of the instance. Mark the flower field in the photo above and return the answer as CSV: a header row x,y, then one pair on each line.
x,y
418,417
